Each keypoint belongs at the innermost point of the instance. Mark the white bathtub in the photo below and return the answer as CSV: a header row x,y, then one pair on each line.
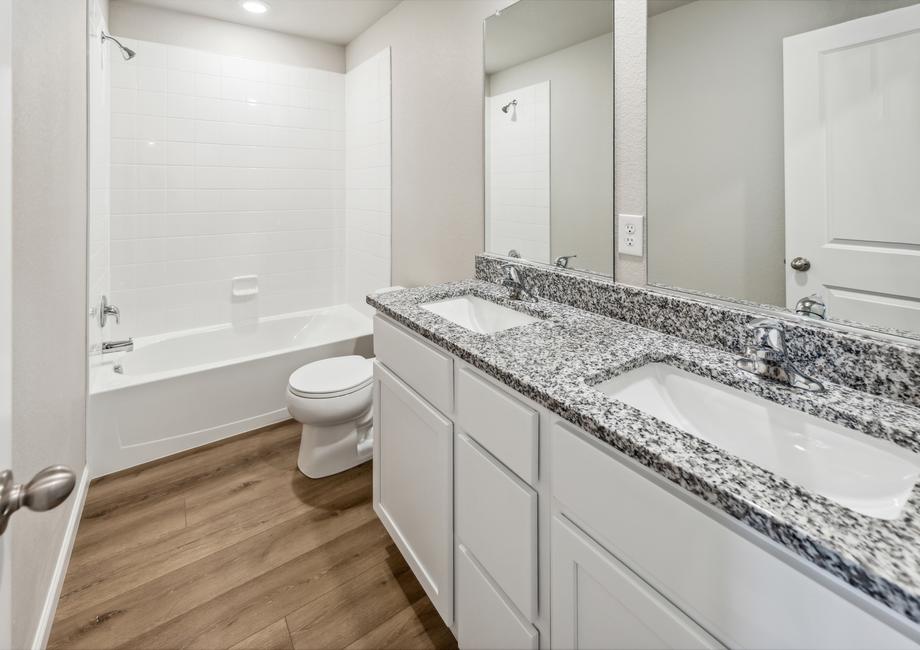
x,y
184,389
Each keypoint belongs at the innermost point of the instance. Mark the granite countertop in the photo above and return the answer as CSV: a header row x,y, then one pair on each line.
x,y
556,361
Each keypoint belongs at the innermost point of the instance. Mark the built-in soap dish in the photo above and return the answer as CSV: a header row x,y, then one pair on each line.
x,y
245,285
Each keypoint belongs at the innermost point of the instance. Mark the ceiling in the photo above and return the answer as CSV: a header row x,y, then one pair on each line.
x,y
530,29
333,21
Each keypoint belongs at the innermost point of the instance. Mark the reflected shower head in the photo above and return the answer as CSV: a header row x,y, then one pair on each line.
x,y
507,106
126,52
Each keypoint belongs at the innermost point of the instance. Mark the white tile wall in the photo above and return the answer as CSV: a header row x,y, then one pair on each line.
x,y
223,167
99,279
367,196
518,205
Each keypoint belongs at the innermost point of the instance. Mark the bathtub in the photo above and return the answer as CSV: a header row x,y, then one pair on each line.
x,y
181,390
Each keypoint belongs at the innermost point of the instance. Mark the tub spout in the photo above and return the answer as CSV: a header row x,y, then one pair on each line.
x,y
126,345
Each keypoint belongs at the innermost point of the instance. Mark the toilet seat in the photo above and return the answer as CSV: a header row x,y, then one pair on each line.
x,y
333,377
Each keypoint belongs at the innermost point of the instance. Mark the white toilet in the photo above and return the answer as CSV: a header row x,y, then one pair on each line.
x,y
332,398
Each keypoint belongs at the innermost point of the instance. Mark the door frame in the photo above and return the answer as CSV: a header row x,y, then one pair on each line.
x,y
6,298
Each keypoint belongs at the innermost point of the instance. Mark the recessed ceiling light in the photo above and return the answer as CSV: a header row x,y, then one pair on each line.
x,y
255,6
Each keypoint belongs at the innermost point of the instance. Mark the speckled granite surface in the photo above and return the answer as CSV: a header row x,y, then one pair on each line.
x,y
555,362
861,362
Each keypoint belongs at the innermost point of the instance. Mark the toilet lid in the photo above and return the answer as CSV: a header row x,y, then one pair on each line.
x,y
332,377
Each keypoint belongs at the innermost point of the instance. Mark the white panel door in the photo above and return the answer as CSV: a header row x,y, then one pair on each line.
x,y
852,149
6,262
413,484
600,604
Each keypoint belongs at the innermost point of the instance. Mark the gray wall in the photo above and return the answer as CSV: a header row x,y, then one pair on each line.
x,y
173,28
715,140
437,94
581,146
49,279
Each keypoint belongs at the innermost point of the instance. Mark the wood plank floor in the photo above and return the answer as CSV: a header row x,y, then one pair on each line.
x,y
230,546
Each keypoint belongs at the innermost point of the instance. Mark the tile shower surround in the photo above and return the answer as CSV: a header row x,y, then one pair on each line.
x,y
884,368
224,167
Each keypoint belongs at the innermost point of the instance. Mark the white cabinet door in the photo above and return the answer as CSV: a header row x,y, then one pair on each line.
x,y
852,97
598,603
413,481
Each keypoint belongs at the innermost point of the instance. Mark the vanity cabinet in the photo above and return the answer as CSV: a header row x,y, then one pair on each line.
x,y
526,532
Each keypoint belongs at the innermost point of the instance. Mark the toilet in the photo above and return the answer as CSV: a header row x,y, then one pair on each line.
x,y
332,398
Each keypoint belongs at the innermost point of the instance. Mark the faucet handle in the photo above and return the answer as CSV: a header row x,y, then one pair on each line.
x,y
768,339
563,261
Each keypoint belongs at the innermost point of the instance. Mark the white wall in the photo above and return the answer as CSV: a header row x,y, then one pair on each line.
x,y
518,169
437,81
49,281
223,167
148,23
715,140
367,179
581,128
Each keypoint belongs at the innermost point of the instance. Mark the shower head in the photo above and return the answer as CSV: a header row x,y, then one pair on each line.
x,y
507,106
126,52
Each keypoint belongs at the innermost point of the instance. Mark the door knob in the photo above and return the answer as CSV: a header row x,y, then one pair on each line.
x,y
47,489
800,264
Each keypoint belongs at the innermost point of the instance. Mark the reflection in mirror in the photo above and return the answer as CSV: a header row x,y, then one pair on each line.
x,y
784,154
549,132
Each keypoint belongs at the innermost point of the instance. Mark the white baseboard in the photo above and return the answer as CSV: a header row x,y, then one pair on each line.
x,y
43,631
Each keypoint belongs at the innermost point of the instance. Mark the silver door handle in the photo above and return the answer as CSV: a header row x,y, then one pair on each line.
x,y
48,489
800,264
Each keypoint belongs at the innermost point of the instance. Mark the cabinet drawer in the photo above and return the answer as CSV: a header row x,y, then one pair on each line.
x,y
503,425
428,371
599,603
496,519
485,620
735,589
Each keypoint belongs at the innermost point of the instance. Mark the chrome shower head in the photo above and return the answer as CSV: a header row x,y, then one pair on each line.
x,y
507,106
126,52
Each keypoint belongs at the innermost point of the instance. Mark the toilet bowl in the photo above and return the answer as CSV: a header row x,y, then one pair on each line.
x,y
332,399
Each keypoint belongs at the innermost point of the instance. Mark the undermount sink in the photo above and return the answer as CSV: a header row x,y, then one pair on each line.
x,y
479,315
871,476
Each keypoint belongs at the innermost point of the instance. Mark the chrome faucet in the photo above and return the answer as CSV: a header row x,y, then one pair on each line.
x,y
563,261
125,345
519,288
767,356
106,310
812,306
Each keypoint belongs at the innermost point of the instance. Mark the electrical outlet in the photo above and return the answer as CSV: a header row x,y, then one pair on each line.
x,y
630,235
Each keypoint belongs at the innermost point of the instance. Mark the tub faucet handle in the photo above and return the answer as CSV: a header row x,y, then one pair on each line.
x,y
106,310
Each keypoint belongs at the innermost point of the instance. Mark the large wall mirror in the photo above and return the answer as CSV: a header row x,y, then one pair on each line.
x,y
549,132
784,155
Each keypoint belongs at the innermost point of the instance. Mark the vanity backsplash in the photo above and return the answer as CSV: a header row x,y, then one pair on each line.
x,y
880,367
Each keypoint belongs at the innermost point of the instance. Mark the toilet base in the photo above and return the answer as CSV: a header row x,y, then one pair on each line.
x,y
328,450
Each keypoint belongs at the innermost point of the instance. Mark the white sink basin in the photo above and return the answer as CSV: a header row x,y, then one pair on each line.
x,y
479,315
871,476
